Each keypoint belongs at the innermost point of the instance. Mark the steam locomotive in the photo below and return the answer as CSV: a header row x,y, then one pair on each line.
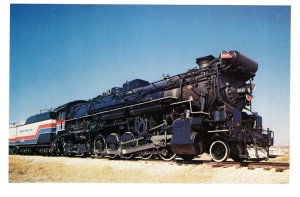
x,y
204,110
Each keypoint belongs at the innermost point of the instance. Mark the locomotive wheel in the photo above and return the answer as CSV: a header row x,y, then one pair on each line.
x,y
219,151
112,143
167,154
81,153
145,155
235,153
238,159
125,138
99,146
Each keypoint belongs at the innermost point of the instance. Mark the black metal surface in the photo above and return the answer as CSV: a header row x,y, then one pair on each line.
x,y
185,113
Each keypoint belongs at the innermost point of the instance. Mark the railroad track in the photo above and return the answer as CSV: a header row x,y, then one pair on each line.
x,y
279,167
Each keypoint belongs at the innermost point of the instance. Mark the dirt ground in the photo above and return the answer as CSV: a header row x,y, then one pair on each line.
x,y
64,170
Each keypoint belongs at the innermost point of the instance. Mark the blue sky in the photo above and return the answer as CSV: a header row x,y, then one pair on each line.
x,y
60,53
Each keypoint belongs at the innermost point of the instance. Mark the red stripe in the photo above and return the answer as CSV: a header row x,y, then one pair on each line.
x,y
60,122
29,137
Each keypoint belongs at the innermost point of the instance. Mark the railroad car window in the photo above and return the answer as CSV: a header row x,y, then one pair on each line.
x,y
63,115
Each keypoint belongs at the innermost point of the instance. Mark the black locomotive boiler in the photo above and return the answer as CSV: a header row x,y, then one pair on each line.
x,y
204,110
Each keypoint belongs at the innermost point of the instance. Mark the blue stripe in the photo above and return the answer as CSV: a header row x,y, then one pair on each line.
x,y
33,141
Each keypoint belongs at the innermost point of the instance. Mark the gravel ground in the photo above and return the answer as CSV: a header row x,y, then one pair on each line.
x,y
64,169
